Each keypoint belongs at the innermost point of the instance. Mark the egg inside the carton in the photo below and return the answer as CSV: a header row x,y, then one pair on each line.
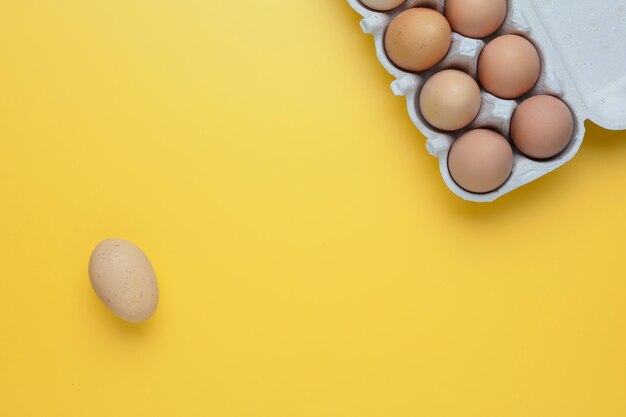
x,y
418,39
480,161
475,18
509,66
542,127
124,280
450,100
382,5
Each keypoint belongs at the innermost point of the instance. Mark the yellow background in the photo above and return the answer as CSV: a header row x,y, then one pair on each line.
x,y
310,259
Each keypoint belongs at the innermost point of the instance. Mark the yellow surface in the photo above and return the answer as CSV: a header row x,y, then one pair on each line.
x,y
311,261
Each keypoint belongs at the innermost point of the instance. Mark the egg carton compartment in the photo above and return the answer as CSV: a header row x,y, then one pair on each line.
x,y
495,113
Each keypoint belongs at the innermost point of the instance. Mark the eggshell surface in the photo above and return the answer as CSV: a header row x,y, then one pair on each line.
x,y
542,126
123,278
480,161
475,18
418,39
509,66
450,100
382,5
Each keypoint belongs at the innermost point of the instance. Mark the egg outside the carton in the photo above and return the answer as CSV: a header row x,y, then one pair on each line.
x,y
124,280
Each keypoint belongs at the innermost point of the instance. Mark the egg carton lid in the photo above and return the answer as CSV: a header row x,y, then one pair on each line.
x,y
589,38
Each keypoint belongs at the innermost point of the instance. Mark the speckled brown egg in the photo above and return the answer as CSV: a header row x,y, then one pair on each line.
x,y
382,5
418,39
509,66
123,277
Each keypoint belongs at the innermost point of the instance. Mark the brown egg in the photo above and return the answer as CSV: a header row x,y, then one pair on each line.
x,y
475,18
123,278
542,126
382,5
450,100
509,66
418,39
480,161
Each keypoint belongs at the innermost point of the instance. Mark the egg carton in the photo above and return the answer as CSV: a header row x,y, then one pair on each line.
x,y
582,45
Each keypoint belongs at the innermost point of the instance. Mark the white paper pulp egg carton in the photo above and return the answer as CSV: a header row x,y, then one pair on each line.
x,y
582,44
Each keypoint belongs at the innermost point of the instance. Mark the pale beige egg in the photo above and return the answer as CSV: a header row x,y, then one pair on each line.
x,y
123,278
509,66
480,161
418,39
542,126
475,18
450,100
382,5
